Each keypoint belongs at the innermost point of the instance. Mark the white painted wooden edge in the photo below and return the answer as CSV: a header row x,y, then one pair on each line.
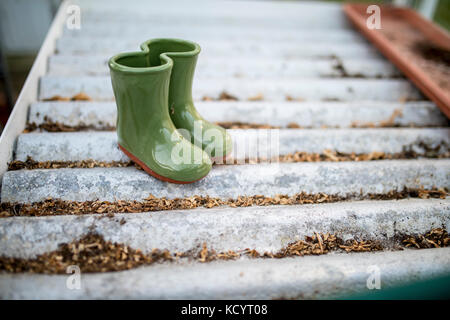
x,y
17,119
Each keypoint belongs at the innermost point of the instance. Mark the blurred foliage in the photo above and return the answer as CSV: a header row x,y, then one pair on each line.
x,y
443,14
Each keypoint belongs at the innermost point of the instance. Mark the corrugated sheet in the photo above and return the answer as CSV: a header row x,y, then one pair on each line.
x,y
274,52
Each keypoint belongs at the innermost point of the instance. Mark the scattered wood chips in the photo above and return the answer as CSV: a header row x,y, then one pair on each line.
x,y
407,153
387,123
258,97
92,253
78,97
435,238
326,155
245,125
32,164
223,96
51,126
52,207
322,244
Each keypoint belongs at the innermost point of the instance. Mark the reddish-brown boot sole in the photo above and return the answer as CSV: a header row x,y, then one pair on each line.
x,y
151,172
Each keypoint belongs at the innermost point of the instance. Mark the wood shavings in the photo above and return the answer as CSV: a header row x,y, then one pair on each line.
x,y
81,96
92,253
51,207
223,96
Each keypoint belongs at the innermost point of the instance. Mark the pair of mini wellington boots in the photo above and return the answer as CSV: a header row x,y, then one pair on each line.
x,y
158,126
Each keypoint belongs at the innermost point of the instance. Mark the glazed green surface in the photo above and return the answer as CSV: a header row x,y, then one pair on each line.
x,y
141,83
212,138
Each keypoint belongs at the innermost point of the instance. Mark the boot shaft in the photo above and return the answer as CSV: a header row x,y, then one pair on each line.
x,y
141,89
181,80
184,55
182,110
147,86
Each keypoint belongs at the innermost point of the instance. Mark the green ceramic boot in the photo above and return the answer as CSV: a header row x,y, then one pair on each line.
x,y
213,139
146,133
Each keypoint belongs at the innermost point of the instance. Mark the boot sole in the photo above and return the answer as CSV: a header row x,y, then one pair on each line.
x,y
151,172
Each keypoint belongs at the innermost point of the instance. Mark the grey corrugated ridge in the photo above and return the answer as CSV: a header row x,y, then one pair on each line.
x,y
306,114
273,89
245,14
111,46
70,65
342,178
261,228
214,20
247,143
200,33
309,277
215,9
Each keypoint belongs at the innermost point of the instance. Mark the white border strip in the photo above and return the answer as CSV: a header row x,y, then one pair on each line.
x,y
29,93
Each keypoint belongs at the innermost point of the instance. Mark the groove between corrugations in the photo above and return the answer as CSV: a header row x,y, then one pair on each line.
x,y
92,253
61,207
